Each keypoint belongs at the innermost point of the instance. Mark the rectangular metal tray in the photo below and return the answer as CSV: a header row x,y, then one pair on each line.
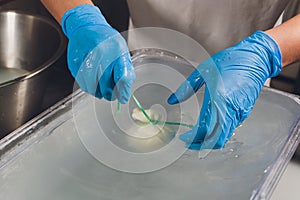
x,y
45,158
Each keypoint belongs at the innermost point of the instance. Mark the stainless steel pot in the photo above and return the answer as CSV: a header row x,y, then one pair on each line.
x,y
30,43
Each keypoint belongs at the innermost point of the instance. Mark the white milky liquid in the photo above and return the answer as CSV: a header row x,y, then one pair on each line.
x,y
60,167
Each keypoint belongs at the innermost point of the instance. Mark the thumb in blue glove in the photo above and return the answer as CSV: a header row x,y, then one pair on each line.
x,y
229,99
98,57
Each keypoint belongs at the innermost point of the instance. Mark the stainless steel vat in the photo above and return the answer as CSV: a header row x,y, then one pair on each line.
x,y
34,44
47,158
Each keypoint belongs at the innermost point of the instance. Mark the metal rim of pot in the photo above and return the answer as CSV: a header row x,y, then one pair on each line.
x,y
58,53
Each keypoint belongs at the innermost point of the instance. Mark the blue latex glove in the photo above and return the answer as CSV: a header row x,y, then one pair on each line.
x,y
98,56
243,70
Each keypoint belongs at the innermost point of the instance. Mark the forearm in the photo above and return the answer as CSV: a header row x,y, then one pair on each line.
x,y
58,7
287,36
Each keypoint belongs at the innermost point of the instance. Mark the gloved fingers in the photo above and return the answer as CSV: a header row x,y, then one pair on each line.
x,y
220,129
213,137
231,121
187,88
83,81
98,92
198,133
107,84
117,69
210,131
124,77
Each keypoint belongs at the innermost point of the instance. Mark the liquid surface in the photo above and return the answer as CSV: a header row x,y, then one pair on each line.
x,y
7,74
60,167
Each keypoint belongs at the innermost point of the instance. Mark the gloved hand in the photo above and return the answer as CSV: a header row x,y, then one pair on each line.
x,y
243,70
98,56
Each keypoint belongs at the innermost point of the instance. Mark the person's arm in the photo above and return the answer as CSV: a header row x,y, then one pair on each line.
x,y
287,36
57,7
97,55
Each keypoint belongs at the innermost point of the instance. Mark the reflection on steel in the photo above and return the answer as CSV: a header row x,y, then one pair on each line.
x,y
32,44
